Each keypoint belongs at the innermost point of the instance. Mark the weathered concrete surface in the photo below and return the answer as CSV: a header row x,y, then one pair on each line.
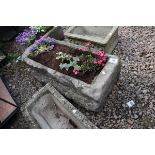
x,y
106,36
56,33
90,96
48,109
2,56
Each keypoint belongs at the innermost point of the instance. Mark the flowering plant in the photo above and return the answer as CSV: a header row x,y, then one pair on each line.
x,y
26,37
29,35
41,45
86,62
68,61
101,58
88,46
40,28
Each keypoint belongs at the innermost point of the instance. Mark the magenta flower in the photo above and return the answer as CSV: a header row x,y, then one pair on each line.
x,y
99,62
83,49
76,71
87,44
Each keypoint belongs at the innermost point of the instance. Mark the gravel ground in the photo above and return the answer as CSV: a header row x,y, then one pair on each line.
x,y
22,85
136,82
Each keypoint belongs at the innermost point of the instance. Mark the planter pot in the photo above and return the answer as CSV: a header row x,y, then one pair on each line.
x,y
106,36
90,96
48,109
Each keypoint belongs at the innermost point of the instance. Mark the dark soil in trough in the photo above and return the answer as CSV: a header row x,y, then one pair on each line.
x,y
49,59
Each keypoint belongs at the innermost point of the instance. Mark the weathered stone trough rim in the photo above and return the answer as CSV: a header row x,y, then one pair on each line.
x,y
75,82
66,107
87,37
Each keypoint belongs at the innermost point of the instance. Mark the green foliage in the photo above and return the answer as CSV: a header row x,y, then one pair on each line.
x,y
11,57
88,65
40,28
68,61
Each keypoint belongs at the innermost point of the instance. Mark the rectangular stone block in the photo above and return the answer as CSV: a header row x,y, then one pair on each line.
x,y
48,109
106,36
90,96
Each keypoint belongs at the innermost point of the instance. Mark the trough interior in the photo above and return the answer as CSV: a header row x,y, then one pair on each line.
x,y
48,114
95,31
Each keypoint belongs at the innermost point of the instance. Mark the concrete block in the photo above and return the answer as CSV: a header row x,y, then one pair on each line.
x,y
106,36
90,96
48,109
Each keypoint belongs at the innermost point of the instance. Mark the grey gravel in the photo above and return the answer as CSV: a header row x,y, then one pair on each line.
x,y
137,82
21,85
135,48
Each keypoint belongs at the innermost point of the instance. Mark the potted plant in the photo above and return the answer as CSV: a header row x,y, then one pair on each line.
x,y
81,73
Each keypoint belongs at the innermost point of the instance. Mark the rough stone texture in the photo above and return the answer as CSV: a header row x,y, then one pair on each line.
x,y
106,36
49,109
90,96
136,82
56,33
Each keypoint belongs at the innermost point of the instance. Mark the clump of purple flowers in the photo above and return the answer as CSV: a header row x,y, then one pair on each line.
x,y
26,37
42,45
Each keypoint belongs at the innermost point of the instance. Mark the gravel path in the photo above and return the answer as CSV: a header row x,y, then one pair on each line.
x,y
22,85
136,82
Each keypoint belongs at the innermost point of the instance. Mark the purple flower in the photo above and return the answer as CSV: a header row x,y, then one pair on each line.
x,y
26,37
44,42
52,46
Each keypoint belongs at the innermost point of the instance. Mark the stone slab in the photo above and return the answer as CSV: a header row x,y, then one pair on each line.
x,y
106,36
6,110
56,33
48,109
90,96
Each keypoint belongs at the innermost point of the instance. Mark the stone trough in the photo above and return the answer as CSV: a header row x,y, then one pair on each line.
x,y
90,96
48,109
106,36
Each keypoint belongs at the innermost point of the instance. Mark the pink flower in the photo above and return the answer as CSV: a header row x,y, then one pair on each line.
x,y
76,71
99,62
101,55
104,59
95,62
87,44
83,49
97,53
